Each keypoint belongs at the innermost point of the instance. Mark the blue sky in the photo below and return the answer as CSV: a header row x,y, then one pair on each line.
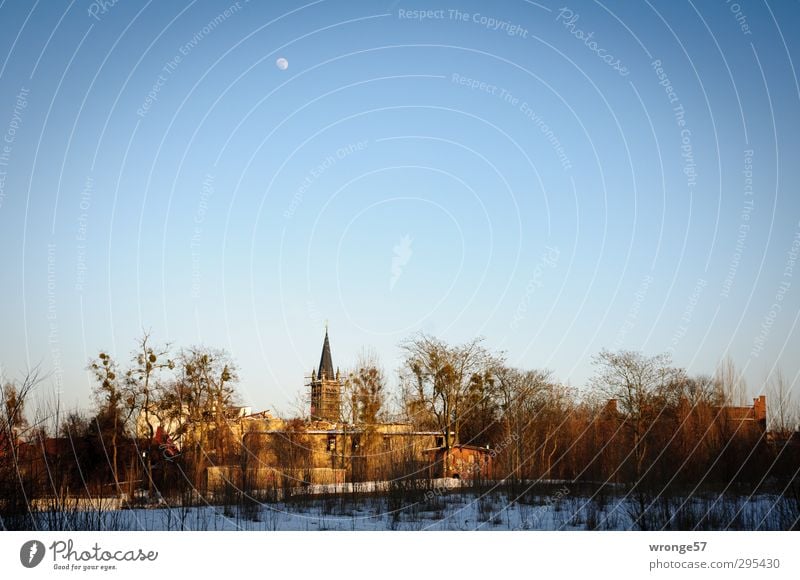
x,y
558,178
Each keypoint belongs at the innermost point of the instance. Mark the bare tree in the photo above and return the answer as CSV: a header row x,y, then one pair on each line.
x,y
364,390
442,374
635,381
729,383
700,390
198,402
14,425
518,390
481,415
14,429
784,413
143,381
412,407
116,404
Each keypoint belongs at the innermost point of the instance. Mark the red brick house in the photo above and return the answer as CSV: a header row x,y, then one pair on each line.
x,y
460,461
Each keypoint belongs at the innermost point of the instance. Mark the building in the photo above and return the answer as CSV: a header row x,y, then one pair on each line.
x,y
752,419
295,453
326,387
739,419
461,462
325,449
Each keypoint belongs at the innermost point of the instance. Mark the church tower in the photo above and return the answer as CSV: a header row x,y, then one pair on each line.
x,y
325,387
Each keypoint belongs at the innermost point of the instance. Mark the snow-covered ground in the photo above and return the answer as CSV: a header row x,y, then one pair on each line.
x,y
459,509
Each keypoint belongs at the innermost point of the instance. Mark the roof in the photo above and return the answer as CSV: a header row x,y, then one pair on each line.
x,y
353,431
737,413
326,360
461,447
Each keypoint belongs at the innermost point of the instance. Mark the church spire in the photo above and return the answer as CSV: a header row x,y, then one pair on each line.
x,y
325,387
326,361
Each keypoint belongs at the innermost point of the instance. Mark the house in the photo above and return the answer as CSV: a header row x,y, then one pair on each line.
x,y
752,419
461,462
736,419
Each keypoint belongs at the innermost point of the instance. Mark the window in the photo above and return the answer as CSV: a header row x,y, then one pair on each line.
x,y
331,442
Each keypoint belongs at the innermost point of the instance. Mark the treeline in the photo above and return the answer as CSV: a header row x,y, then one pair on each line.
x,y
640,421
165,414
126,444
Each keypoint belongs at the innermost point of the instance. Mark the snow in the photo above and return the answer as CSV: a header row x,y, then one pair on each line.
x,y
452,508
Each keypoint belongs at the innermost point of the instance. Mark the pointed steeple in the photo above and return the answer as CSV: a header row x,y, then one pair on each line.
x,y
326,361
325,387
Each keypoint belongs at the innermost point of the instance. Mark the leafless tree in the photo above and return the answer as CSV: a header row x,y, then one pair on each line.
x,y
519,392
441,376
116,403
14,429
729,383
784,412
364,390
143,380
198,401
14,425
700,390
635,381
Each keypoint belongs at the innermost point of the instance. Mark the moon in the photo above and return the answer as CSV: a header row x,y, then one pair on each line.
x,y
282,63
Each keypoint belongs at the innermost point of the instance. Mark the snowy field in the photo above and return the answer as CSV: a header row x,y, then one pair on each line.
x,y
561,508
